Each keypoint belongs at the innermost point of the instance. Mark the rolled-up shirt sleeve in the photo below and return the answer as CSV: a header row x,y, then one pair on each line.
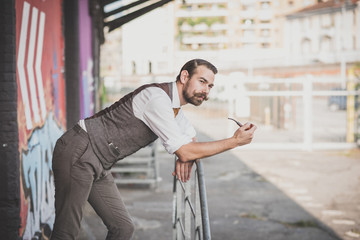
x,y
158,115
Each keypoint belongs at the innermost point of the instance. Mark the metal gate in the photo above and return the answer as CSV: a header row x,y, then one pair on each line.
x,y
190,210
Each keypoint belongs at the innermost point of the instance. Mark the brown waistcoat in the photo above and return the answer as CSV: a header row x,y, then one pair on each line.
x,y
115,132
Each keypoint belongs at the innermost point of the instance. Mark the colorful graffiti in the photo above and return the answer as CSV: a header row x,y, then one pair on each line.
x,y
41,108
37,180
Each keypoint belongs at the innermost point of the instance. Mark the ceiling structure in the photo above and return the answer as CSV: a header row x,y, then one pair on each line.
x,y
118,12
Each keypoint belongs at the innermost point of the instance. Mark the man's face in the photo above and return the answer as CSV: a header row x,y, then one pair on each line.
x,y
197,88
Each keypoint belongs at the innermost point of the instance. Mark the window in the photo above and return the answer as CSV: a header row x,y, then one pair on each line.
x,y
265,33
249,33
265,5
265,45
325,44
306,46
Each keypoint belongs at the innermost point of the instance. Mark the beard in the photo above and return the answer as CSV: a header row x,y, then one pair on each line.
x,y
194,98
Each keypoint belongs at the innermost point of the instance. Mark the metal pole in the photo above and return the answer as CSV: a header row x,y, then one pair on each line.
x,y
204,207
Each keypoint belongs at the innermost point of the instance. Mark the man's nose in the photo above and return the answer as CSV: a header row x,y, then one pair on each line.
x,y
207,89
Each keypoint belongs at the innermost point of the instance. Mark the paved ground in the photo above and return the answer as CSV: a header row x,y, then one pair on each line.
x,y
255,194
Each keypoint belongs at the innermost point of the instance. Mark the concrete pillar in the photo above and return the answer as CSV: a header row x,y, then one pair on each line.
x,y
9,139
72,62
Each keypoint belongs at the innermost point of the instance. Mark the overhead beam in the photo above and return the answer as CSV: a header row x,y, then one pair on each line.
x,y
131,16
126,7
106,2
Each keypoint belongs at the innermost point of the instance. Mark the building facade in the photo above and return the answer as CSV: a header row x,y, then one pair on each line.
x,y
328,33
220,24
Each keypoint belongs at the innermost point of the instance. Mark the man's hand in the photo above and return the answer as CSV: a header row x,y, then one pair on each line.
x,y
183,170
244,134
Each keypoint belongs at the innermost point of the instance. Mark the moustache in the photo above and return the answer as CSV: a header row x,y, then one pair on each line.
x,y
203,95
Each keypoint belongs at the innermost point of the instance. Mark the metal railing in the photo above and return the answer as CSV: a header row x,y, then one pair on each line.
x,y
190,210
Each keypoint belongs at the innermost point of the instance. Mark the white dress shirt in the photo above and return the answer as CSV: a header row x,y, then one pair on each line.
x,y
154,107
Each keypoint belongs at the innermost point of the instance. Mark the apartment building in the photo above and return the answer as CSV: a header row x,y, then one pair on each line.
x,y
233,24
327,32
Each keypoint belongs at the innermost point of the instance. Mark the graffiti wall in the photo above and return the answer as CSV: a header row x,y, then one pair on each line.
x,y
86,62
41,107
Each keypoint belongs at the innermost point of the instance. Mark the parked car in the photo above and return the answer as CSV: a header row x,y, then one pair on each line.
x,y
337,103
340,102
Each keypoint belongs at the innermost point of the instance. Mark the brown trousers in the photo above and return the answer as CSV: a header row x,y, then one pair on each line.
x,y
79,176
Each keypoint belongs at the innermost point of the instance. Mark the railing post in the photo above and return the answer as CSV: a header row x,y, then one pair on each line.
x,y
203,201
174,216
187,214
307,97
198,221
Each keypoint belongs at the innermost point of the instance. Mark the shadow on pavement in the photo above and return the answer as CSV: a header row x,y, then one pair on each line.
x,y
242,205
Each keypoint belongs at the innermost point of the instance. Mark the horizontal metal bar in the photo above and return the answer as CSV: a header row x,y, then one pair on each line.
x,y
298,93
290,80
335,93
297,146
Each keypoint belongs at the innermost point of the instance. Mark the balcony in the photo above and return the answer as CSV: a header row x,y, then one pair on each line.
x,y
248,13
205,1
265,25
186,28
204,40
264,39
265,15
202,27
248,2
248,39
218,27
202,13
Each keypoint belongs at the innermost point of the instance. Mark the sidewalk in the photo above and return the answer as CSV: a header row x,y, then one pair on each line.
x,y
254,195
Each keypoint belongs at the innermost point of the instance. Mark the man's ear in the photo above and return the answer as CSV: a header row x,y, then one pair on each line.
x,y
184,76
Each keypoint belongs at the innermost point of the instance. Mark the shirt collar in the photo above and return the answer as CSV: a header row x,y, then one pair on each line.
x,y
175,94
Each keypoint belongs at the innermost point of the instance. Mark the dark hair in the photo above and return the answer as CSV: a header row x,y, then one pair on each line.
x,y
191,66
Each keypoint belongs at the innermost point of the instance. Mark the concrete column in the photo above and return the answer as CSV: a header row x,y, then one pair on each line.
x,y
9,137
72,61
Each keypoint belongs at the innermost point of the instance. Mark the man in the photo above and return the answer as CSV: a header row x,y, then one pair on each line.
x,y
84,154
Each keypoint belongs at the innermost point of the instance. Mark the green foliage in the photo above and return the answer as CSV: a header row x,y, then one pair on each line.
x,y
195,21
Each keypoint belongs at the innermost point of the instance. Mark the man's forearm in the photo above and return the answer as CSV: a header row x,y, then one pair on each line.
x,y
197,150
